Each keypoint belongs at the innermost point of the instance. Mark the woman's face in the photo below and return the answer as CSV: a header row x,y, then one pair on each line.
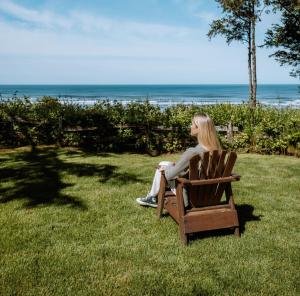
x,y
194,129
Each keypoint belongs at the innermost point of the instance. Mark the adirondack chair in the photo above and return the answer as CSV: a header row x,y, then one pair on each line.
x,y
209,176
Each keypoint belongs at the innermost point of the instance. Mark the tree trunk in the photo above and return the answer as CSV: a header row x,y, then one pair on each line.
x,y
250,65
254,79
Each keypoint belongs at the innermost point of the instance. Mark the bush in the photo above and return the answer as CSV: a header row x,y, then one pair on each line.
x,y
107,126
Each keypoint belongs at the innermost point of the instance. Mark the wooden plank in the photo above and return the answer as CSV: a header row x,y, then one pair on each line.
x,y
204,165
161,194
79,129
194,175
217,173
225,128
227,172
221,164
181,212
194,167
209,181
162,128
171,207
222,206
209,193
210,219
213,163
199,200
196,194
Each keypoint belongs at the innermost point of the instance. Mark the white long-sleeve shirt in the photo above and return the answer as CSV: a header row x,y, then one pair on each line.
x,y
171,172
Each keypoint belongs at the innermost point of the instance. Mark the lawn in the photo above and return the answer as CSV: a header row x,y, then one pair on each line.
x,y
70,226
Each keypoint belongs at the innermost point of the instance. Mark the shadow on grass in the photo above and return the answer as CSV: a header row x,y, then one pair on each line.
x,y
245,214
84,153
36,177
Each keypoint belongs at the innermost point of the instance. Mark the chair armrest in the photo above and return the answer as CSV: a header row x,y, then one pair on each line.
x,y
231,178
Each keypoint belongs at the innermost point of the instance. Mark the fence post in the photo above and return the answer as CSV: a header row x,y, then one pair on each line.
x,y
230,132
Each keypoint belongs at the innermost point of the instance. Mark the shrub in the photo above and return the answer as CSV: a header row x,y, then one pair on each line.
x,y
107,126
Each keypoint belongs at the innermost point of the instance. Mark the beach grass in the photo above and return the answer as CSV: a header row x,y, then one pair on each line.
x,y
70,226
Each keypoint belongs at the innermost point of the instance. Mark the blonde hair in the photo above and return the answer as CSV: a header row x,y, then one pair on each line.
x,y
207,135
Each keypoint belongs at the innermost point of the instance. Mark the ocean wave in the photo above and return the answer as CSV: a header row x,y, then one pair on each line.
x,y
168,101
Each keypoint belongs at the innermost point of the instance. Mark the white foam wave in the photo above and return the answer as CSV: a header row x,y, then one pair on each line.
x,y
165,102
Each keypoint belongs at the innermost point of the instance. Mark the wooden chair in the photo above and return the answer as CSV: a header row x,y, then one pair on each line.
x,y
209,176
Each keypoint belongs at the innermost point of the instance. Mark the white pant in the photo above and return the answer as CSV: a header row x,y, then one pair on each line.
x,y
156,180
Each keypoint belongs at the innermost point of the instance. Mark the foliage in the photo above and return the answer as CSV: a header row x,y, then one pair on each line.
x,y
143,127
285,37
238,23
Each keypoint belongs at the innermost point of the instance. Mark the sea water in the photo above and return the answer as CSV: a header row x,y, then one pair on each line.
x,y
162,95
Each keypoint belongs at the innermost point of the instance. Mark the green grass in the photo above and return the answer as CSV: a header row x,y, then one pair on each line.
x,y
70,226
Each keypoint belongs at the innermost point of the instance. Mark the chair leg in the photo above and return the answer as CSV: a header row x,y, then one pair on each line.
x,y
237,232
183,235
161,195
184,238
160,205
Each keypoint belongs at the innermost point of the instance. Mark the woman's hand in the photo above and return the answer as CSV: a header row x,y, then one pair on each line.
x,y
163,167
160,168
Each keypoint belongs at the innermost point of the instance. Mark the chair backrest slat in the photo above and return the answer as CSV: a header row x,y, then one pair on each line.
x,y
194,175
227,172
194,167
212,165
215,167
220,167
213,162
204,165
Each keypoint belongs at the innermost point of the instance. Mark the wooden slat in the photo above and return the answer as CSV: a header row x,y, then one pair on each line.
x,y
171,207
204,165
218,173
210,219
194,168
196,198
209,181
213,162
210,190
222,206
161,194
227,172
194,175
181,212
220,166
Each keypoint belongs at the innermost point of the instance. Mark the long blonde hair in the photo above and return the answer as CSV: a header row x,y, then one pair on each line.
x,y
207,135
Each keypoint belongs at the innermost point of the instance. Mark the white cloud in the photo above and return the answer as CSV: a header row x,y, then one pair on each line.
x,y
112,28
82,34
87,23
41,18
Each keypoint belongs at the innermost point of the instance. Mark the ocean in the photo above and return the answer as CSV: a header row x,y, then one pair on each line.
x,y
161,95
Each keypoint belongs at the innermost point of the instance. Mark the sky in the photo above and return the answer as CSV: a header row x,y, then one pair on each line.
x,y
124,42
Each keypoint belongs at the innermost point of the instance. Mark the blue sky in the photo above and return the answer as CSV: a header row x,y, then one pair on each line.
x,y
123,42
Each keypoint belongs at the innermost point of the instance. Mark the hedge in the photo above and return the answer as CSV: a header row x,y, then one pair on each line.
x,y
112,126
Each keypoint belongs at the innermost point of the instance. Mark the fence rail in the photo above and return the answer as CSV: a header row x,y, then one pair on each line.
x,y
139,130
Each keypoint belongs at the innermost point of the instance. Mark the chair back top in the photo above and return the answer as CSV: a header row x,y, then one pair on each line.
x,y
209,165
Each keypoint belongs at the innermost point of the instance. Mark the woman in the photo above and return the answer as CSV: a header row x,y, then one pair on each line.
x,y
204,129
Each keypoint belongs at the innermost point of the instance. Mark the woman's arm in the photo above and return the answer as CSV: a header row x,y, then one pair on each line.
x,y
183,163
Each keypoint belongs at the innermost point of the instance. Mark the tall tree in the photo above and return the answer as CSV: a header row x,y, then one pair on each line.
x,y
239,23
286,36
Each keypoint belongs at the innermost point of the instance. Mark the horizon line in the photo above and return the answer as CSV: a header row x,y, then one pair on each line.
x,y
139,84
